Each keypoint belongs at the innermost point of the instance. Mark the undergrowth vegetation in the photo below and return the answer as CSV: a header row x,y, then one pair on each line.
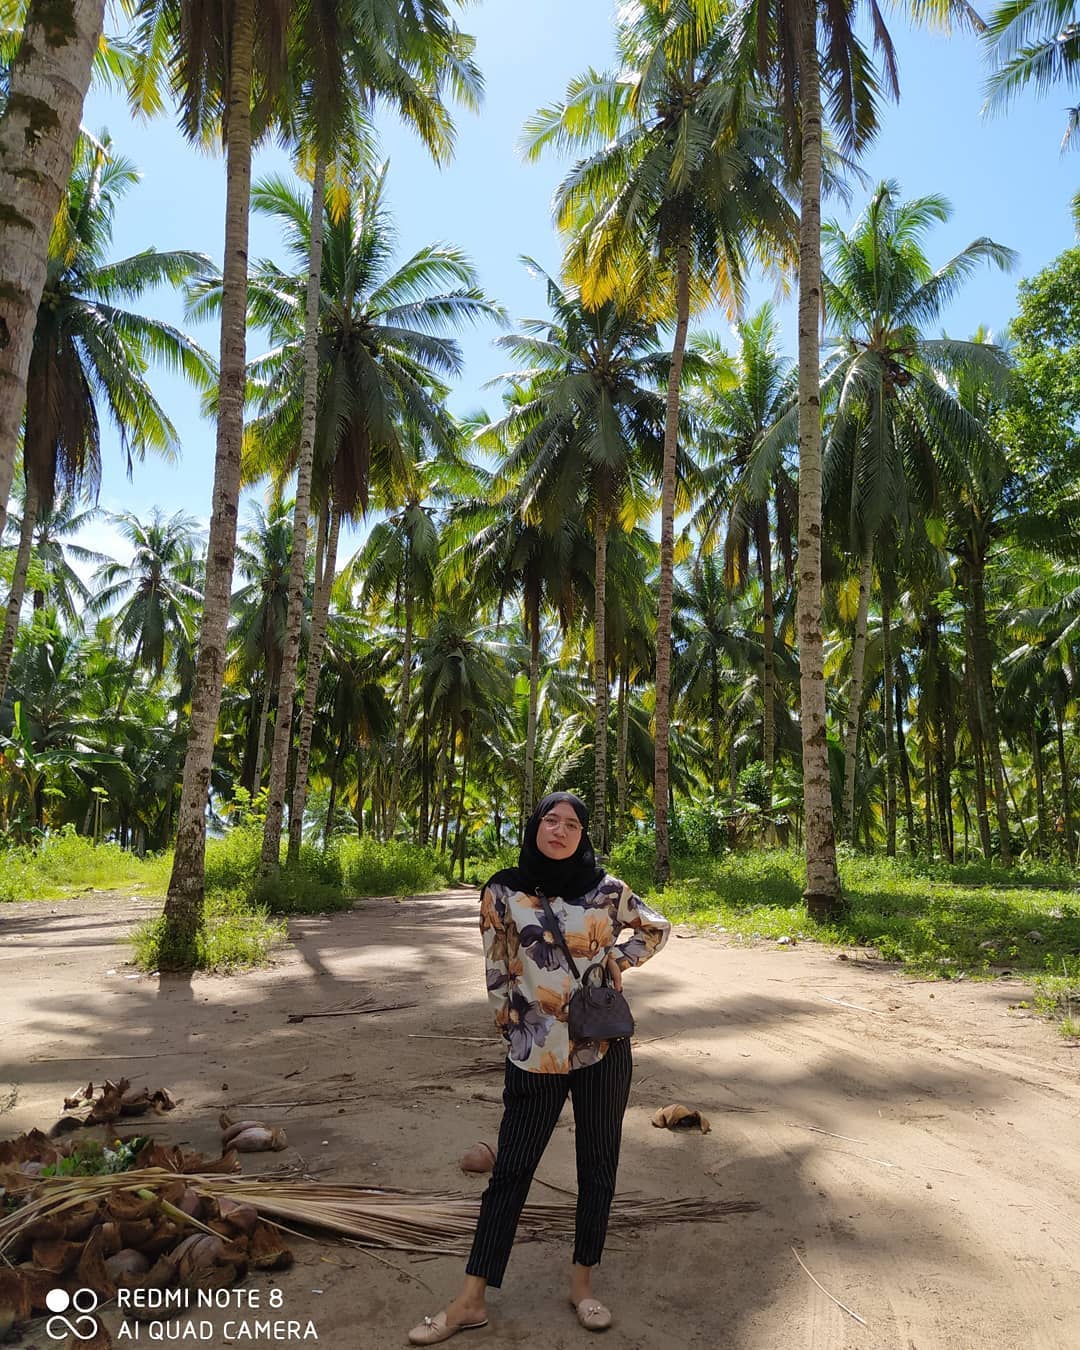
x,y
940,921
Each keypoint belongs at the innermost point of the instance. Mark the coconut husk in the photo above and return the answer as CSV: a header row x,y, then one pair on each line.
x,y
30,1147
679,1117
56,1255
15,1305
268,1250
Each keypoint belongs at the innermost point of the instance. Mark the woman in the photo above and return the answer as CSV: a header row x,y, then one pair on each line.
x,y
530,985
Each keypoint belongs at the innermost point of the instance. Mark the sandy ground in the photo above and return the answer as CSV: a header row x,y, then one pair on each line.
x,y
920,1151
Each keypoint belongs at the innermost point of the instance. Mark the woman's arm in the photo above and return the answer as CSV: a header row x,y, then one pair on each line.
x,y
648,930
496,955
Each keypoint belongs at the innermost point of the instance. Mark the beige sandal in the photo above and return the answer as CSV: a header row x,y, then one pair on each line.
x,y
592,1314
432,1330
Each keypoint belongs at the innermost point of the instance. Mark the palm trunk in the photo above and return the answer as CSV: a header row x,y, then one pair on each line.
x,y
339,755
928,797
1016,810
855,690
48,81
768,672
279,759
823,898
1037,730
404,697
984,675
532,624
361,794
600,677
1066,785
714,718
667,560
184,904
319,618
260,748
890,752
18,583
621,738
425,774
459,836
944,795
975,729
448,786
905,769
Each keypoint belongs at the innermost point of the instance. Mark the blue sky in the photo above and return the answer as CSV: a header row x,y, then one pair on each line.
x,y
1004,177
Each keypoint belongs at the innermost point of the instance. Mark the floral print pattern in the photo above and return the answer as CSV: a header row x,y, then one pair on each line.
x,y
528,977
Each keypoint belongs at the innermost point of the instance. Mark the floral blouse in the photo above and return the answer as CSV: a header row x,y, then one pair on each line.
x,y
528,977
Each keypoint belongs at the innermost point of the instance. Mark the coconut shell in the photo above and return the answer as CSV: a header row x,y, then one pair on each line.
x,y
229,1132
259,1139
479,1158
191,1202
126,1264
91,1270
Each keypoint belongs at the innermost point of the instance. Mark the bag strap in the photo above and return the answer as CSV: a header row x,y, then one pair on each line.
x,y
553,923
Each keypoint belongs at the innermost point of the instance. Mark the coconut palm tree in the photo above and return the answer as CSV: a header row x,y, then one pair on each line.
x,y
89,350
156,595
56,554
746,414
384,356
812,57
1035,42
39,125
225,63
350,57
400,558
587,427
899,427
498,549
263,556
681,176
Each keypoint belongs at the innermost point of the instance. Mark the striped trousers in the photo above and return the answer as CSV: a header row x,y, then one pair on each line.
x,y
532,1103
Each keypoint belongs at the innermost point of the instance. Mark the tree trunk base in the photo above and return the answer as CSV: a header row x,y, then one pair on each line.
x,y
823,907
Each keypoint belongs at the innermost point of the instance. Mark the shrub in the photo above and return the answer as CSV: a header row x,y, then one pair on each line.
x,y
477,870
633,860
234,936
232,860
397,868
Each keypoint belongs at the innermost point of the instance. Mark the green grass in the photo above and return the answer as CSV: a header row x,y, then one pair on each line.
x,y
936,920
236,935
68,864
241,928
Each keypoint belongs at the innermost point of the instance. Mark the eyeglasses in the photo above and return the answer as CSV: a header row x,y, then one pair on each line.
x,y
554,822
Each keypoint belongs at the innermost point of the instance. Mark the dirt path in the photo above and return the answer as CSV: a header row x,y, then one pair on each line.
x,y
947,1215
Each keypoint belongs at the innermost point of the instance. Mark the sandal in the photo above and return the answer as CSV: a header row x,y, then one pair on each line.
x,y
432,1330
592,1314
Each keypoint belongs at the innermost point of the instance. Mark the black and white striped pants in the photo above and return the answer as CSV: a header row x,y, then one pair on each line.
x,y
532,1103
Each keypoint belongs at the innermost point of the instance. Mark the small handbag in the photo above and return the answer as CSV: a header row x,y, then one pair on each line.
x,y
596,1012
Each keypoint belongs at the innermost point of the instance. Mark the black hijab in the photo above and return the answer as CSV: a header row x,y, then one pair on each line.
x,y
570,877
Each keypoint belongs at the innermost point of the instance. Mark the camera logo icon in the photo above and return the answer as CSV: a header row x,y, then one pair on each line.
x,y
82,1304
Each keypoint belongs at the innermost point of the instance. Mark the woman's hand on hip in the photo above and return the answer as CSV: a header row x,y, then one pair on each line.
x,y
614,973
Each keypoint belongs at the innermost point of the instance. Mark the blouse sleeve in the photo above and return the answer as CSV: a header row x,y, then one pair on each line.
x,y
496,956
642,930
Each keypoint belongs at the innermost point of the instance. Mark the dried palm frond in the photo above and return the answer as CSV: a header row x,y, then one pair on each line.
x,y
441,1221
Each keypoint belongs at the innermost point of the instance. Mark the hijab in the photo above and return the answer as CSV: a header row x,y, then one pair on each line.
x,y
570,877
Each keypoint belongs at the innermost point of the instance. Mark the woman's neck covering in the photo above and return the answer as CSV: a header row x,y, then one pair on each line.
x,y
570,877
